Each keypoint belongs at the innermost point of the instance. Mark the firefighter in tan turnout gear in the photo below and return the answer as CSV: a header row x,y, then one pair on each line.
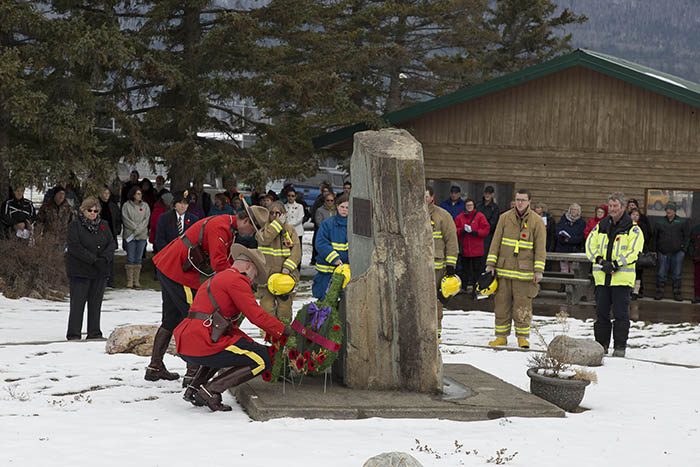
x,y
279,243
517,255
446,247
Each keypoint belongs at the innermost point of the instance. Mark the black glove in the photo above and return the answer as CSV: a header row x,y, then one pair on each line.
x,y
608,267
101,264
450,270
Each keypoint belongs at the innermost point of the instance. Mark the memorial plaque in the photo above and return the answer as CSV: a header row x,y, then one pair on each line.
x,y
362,217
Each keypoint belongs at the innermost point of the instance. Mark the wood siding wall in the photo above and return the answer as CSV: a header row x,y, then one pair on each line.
x,y
573,136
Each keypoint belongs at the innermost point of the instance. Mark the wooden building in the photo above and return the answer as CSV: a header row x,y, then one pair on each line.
x,y
573,129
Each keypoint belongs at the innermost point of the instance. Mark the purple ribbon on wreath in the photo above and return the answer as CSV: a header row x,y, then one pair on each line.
x,y
317,316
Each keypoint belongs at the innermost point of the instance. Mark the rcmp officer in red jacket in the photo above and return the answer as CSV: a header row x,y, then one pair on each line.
x,y
180,280
229,294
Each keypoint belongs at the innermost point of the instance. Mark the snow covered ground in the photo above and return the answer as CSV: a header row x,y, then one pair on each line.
x,y
69,403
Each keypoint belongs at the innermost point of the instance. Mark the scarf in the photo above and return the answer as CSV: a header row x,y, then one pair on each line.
x,y
91,226
570,217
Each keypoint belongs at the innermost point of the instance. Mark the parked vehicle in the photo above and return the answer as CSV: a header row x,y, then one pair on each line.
x,y
309,186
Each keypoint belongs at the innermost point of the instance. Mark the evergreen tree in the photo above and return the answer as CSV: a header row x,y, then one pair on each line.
x,y
528,32
51,63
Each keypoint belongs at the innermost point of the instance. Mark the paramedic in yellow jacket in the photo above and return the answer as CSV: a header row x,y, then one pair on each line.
x,y
446,246
613,247
279,243
517,256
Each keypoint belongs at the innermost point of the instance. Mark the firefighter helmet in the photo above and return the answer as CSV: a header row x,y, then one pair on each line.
x,y
280,284
486,285
343,269
450,285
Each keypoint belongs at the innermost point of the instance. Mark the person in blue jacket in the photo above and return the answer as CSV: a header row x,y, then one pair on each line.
x,y
454,204
332,246
570,235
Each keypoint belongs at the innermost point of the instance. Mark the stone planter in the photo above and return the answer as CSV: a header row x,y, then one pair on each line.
x,y
566,394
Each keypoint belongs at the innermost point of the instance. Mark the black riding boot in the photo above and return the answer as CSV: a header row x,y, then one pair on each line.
x,y
601,331
156,369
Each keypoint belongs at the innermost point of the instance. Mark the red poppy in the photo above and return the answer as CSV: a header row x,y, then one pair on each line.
x,y
272,349
293,354
336,328
524,235
307,355
140,209
311,365
320,358
267,376
337,347
187,221
300,363
102,227
283,340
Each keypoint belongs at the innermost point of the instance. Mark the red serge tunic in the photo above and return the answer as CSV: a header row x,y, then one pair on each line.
x,y
231,291
218,236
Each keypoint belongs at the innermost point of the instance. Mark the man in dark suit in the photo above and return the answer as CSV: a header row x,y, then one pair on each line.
x,y
174,222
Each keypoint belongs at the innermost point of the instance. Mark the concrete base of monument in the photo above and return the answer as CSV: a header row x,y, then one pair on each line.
x,y
469,395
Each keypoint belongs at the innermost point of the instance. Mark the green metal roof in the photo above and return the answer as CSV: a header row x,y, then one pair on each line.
x,y
638,75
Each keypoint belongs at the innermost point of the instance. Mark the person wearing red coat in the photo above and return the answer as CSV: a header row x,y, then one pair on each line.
x,y
229,292
178,287
600,213
472,228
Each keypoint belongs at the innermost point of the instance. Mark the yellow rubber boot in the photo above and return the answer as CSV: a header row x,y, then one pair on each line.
x,y
439,335
499,341
523,343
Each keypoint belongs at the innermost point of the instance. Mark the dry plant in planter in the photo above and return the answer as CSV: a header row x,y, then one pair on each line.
x,y
554,380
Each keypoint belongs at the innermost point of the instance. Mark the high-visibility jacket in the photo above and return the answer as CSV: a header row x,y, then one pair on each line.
x,y
281,246
621,243
444,237
519,245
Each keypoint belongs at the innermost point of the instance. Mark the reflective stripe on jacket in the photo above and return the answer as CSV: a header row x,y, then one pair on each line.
x,y
628,243
278,254
444,237
518,248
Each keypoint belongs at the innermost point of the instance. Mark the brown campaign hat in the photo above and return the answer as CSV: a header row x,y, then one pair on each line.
x,y
253,255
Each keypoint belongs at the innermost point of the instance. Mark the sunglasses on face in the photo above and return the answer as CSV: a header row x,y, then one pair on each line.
x,y
93,210
330,200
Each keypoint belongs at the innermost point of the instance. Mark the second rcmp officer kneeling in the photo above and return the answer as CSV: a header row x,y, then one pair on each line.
x,y
229,294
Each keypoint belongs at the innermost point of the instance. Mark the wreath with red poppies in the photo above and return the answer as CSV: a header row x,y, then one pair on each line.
x,y
317,338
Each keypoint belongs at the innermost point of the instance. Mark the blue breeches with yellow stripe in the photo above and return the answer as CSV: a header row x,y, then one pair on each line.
x,y
242,353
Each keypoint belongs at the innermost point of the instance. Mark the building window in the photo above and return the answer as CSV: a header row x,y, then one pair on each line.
x,y
687,203
503,192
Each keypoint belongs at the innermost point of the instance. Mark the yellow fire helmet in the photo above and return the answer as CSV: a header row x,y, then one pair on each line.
x,y
486,285
280,284
450,285
343,269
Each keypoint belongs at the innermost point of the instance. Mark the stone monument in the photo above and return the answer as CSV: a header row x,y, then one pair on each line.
x,y
391,318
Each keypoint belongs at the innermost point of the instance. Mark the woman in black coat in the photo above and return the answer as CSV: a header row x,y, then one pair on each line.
x,y
90,250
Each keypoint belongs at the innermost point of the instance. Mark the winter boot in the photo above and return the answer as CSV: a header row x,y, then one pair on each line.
x,y
677,292
129,275
137,275
619,353
210,393
635,291
523,343
499,341
156,369
621,330
601,332
204,374
659,291
189,376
